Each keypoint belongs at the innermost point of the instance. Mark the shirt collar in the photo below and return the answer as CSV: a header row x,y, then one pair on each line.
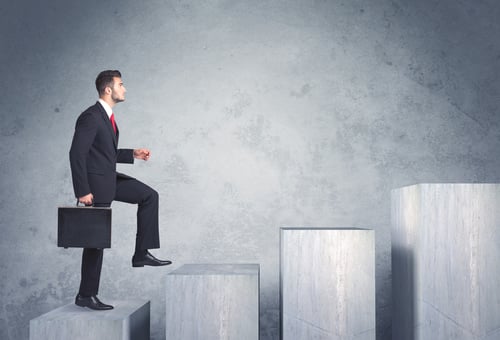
x,y
106,107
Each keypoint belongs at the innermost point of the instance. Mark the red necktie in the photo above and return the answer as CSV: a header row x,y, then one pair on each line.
x,y
113,121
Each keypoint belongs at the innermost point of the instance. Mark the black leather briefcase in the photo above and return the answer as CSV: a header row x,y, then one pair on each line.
x,y
84,227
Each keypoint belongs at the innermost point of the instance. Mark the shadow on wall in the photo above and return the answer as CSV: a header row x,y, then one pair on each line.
x,y
403,291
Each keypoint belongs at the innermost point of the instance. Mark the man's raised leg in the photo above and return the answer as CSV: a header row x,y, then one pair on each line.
x,y
130,190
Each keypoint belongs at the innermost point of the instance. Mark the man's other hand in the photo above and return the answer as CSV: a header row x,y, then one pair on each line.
x,y
87,199
142,154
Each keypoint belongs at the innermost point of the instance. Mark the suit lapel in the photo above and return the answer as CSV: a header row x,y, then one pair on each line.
x,y
107,122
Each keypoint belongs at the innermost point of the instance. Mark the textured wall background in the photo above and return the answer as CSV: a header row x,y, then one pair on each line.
x,y
259,115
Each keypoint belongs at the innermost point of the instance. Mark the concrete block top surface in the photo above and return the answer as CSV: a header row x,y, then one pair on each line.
x,y
122,309
217,269
464,185
326,229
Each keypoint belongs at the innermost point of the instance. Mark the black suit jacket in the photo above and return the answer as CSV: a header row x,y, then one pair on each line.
x,y
93,155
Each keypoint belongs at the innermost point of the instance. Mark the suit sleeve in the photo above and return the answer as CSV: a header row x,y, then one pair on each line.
x,y
125,156
85,132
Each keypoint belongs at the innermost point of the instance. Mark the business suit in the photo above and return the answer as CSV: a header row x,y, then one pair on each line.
x,y
93,156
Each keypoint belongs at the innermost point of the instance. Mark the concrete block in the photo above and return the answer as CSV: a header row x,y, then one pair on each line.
x,y
445,251
327,284
213,301
129,320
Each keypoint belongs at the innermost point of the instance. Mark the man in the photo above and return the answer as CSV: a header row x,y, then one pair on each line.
x,y
93,157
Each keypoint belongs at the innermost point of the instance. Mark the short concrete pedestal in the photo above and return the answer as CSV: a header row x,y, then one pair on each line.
x,y
212,302
327,284
445,255
129,320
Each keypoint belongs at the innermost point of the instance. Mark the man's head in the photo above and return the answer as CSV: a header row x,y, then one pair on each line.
x,y
110,87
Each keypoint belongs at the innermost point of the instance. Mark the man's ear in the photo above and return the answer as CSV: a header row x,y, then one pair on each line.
x,y
107,90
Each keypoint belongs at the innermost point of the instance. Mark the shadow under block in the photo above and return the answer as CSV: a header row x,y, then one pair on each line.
x,y
129,320
213,301
327,284
445,262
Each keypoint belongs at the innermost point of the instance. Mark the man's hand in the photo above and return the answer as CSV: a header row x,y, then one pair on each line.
x,y
143,154
87,199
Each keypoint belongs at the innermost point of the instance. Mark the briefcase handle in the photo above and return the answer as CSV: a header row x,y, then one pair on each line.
x,y
77,201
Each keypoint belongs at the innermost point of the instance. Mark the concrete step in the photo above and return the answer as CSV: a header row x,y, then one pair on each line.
x,y
445,251
129,320
212,302
327,284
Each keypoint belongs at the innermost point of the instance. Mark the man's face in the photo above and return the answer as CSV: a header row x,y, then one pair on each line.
x,y
118,90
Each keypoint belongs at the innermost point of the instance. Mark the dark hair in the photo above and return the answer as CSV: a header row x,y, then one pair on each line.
x,y
105,79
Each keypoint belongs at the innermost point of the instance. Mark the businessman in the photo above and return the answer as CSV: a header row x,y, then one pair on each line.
x,y
93,156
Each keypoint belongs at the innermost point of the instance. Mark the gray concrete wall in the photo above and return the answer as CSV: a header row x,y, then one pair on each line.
x,y
259,115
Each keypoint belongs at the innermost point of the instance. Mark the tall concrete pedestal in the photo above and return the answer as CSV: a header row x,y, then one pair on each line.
x,y
445,262
327,284
129,320
212,302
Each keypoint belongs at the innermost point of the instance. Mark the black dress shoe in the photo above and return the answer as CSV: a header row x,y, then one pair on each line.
x,y
148,260
92,302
